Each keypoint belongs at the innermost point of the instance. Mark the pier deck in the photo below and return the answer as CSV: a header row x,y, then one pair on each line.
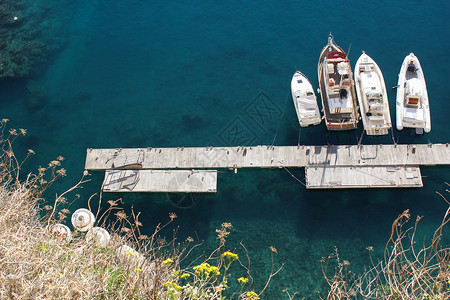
x,y
160,181
344,166
268,156
357,177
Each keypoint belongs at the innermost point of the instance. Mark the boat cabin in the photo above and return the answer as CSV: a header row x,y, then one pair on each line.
x,y
414,91
338,78
375,101
372,90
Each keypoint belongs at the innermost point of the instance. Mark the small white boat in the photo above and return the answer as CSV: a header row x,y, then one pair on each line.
x,y
305,101
372,96
413,110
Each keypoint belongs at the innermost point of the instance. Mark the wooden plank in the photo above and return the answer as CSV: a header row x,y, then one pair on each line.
x,y
179,181
269,156
128,159
362,177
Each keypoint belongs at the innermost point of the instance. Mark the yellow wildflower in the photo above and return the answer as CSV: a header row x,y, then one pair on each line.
x,y
206,269
130,253
252,295
200,269
230,255
138,270
168,261
214,271
242,280
185,275
171,285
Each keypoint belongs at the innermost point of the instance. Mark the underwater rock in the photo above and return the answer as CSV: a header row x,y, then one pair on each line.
x,y
24,38
3,44
191,121
29,141
35,96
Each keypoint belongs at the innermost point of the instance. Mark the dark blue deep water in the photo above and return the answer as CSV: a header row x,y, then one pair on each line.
x,y
179,73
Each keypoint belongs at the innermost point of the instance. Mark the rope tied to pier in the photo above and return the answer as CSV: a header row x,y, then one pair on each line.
x,y
282,116
292,175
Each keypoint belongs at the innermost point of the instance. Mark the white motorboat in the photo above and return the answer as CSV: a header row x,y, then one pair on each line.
x,y
305,101
337,88
372,96
413,110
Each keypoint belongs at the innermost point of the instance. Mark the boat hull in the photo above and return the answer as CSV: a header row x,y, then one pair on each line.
x,y
337,94
305,101
412,104
372,96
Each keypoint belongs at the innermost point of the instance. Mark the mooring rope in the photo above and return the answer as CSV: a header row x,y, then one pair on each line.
x,y
392,134
293,176
282,116
326,137
360,139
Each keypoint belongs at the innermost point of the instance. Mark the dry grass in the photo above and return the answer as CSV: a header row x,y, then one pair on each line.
x,y
410,269
36,264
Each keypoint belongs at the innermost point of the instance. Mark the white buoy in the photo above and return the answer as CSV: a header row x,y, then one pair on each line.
x,y
99,235
61,231
83,219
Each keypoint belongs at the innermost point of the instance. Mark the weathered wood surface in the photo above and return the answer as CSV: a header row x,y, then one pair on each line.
x,y
268,156
362,177
160,181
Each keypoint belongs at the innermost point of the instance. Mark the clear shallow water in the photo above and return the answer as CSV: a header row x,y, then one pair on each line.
x,y
161,74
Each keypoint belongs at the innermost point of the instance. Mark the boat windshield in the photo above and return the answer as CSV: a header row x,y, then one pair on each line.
x,y
335,54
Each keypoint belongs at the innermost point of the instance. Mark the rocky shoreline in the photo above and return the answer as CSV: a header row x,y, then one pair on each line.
x,y
29,32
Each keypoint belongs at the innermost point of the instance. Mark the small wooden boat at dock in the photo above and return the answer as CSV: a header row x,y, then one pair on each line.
x,y
372,96
413,110
305,101
337,88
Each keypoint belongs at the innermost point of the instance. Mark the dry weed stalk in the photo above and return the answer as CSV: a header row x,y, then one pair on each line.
x,y
407,272
342,284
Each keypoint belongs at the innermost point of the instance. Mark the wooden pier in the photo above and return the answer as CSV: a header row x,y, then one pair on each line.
x,y
359,177
344,166
160,181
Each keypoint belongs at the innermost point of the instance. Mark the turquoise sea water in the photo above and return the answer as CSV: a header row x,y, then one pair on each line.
x,y
160,74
